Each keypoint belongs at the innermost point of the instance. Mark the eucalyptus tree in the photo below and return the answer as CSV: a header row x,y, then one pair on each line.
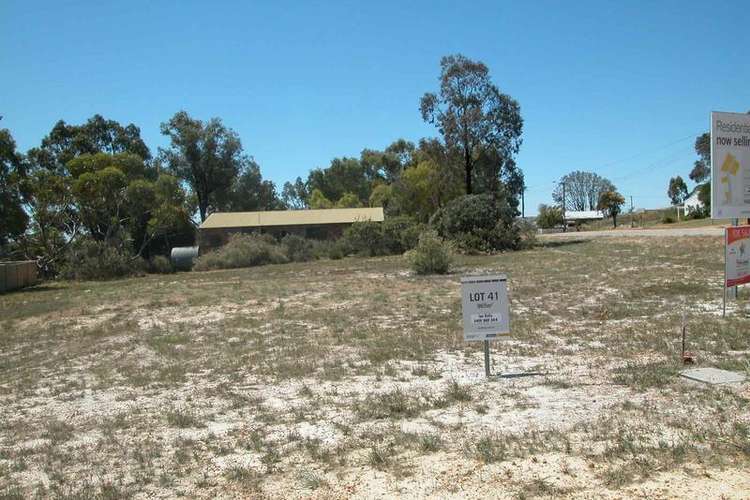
x,y
207,156
473,115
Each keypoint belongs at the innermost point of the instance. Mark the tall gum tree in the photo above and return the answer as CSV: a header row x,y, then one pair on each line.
x,y
208,156
472,114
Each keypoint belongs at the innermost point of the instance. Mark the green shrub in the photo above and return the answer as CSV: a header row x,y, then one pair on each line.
x,y
243,250
338,250
364,238
395,235
400,234
699,213
667,219
478,223
159,264
432,255
89,259
297,248
527,231
321,249
326,249
549,217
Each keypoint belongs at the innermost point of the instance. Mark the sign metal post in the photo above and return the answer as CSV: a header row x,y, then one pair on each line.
x,y
724,284
487,358
735,223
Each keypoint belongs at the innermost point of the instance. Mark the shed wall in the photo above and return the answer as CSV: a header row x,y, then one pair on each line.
x,y
18,274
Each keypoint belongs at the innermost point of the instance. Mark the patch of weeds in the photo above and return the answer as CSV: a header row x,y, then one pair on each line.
x,y
481,408
429,443
12,492
247,477
167,480
305,391
646,376
111,491
489,449
293,435
380,456
423,371
617,476
183,452
166,344
183,418
254,442
204,481
624,442
742,437
237,400
540,487
394,404
312,480
628,405
58,431
565,467
557,383
270,458
172,374
313,446
458,393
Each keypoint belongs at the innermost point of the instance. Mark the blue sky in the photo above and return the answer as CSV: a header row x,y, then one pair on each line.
x,y
620,88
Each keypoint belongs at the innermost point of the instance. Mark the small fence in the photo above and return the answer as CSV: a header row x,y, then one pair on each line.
x,y
17,274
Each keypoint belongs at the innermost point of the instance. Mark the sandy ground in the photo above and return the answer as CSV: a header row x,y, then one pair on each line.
x,y
195,392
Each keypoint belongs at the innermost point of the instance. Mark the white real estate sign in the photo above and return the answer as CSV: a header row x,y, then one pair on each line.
x,y
486,314
730,165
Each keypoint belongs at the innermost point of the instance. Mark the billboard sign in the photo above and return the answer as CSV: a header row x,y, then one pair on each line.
x,y
730,165
486,313
737,248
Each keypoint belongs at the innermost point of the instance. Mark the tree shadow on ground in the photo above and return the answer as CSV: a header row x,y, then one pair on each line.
x,y
561,243
42,287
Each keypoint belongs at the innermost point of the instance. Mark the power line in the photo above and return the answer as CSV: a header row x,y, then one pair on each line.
x,y
637,155
654,165
650,166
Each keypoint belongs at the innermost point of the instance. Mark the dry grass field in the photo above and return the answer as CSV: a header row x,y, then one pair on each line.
x,y
350,378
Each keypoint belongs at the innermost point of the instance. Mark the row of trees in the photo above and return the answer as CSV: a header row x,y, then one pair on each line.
x,y
96,181
99,182
480,131
678,189
581,191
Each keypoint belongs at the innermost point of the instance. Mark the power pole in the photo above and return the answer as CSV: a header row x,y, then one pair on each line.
x,y
632,222
523,204
565,223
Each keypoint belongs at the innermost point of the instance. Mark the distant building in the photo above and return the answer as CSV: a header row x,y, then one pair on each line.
x,y
576,217
318,224
692,203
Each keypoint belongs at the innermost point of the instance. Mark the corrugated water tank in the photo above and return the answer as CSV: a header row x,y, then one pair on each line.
x,y
183,257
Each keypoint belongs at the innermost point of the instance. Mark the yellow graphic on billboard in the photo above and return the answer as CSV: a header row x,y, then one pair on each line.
x,y
730,166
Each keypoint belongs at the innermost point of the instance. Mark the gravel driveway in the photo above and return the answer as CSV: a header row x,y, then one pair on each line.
x,y
637,233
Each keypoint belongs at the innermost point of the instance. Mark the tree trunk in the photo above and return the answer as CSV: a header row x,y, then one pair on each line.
x,y
468,167
614,220
202,208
